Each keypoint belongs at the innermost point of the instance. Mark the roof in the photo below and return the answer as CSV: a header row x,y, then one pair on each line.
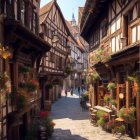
x,y
80,13
44,11
80,41
72,29
91,13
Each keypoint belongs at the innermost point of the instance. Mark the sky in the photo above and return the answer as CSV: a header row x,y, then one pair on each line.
x,y
68,7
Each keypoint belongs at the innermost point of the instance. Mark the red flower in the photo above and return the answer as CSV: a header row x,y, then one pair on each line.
x,y
43,114
105,116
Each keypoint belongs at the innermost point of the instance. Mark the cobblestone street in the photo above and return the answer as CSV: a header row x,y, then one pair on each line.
x,y
72,123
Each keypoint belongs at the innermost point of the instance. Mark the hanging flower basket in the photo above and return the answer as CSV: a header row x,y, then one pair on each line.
x,y
107,98
111,86
24,70
32,86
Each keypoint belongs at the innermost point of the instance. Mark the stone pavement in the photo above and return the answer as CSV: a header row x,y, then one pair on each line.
x,y
72,123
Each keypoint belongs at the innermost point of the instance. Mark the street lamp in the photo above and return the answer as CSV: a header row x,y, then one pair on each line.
x,y
121,95
4,52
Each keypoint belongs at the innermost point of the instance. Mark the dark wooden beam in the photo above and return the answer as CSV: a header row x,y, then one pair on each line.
x,y
138,8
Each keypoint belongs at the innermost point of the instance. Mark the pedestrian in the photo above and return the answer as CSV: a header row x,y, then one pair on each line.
x,y
79,91
71,91
82,87
65,93
82,103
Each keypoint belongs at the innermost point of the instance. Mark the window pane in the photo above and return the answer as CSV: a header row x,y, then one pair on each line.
x,y
113,44
133,34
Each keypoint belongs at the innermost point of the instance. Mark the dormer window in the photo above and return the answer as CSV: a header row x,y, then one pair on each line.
x,y
22,12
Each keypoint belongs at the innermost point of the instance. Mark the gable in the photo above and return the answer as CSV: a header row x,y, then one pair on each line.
x,y
55,18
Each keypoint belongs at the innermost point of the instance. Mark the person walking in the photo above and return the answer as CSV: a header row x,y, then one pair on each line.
x,y
65,93
82,87
79,91
71,91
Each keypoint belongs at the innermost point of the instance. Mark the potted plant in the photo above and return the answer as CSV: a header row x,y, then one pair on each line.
x,y
128,114
120,129
103,118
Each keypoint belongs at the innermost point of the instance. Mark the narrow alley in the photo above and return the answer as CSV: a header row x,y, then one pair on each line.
x,y
72,123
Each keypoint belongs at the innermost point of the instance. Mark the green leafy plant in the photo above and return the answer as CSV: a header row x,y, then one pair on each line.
x,y
95,76
101,122
100,113
32,85
4,82
21,101
100,55
113,102
131,78
111,85
107,98
120,129
24,69
134,77
128,114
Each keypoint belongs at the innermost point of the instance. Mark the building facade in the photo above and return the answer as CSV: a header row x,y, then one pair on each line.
x,y
112,28
54,30
79,54
21,50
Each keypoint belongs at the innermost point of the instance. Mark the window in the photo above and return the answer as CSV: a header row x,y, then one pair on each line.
x,y
34,22
30,17
113,44
22,12
134,35
130,15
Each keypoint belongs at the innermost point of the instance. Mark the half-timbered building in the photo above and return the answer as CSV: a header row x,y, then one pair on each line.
x,y
19,37
54,30
112,28
79,54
